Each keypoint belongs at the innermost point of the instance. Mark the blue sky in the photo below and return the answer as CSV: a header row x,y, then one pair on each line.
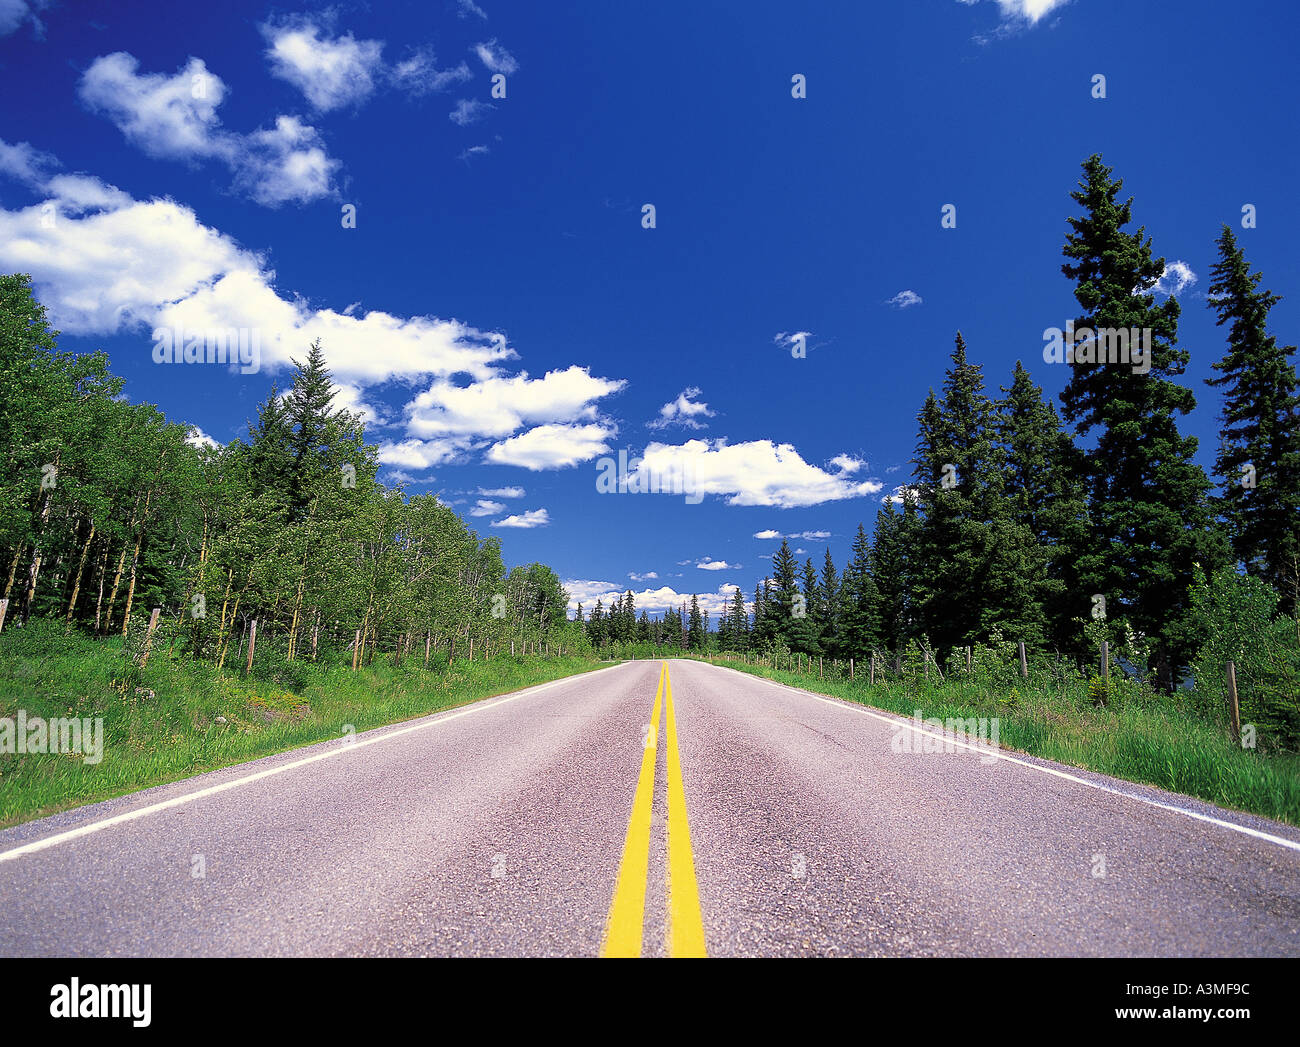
x,y
503,315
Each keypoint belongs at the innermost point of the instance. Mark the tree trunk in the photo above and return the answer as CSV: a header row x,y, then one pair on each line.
x,y
76,585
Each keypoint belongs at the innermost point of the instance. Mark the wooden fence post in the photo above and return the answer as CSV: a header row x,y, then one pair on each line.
x,y
428,641
315,635
871,677
819,667
1234,709
356,650
1105,662
471,648
850,668
1024,665
252,639
148,637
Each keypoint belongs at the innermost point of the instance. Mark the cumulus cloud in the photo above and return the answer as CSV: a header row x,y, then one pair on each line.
x,y
496,58
468,7
483,507
654,601
1176,278
532,518
331,72
175,117
685,411
553,446
25,163
905,300
420,75
649,576
498,406
756,472
198,438
501,492
716,565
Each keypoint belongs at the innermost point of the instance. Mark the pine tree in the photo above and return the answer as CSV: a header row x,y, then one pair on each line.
x,y
828,606
979,569
1259,448
1048,500
1147,497
859,599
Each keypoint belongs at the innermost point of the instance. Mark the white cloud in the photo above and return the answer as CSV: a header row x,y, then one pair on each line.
x,y
716,565
483,507
757,472
330,72
905,300
419,74
655,601
553,446
468,7
13,13
1177,277
767,534
1031,10
285,165
498,406
468,111
649,576
198,438
846,463
420,454
502,492
25,163
175,117
811,536
683,411
496,58
532,518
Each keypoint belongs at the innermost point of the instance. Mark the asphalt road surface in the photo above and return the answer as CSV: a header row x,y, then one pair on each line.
x,y
751,819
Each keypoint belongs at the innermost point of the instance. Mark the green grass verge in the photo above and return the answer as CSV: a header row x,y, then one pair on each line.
x,y
1139,737
161,724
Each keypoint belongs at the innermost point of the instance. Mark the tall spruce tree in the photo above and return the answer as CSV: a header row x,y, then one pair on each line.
x,y
981,568
1047,498
1147,497
859,600
1259,445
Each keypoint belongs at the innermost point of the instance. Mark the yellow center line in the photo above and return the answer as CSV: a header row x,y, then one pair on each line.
x,y
685,922
623,930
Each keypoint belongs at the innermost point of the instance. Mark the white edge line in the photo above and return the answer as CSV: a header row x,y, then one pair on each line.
x,y
848,706
342,747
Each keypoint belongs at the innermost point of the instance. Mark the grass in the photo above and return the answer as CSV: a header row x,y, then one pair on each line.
x,y
161,724
1139,736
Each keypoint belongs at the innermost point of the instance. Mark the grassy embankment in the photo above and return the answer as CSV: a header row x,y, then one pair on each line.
x,y
1139,735
161,723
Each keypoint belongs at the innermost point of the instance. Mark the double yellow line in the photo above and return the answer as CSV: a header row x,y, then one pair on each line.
x,y
625,927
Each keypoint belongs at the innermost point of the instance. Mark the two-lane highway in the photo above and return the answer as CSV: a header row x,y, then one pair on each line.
x,y
656,809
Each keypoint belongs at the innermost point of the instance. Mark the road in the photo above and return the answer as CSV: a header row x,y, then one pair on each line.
x,y
753,819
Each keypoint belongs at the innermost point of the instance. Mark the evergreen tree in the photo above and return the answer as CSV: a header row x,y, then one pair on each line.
x,y
860,600
1259,448
1147,497
1048,500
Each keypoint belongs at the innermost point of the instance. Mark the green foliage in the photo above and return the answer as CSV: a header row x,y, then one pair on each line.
x,y
1244,626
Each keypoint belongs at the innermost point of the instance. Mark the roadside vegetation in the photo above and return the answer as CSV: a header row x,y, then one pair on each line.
x,y
178,717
